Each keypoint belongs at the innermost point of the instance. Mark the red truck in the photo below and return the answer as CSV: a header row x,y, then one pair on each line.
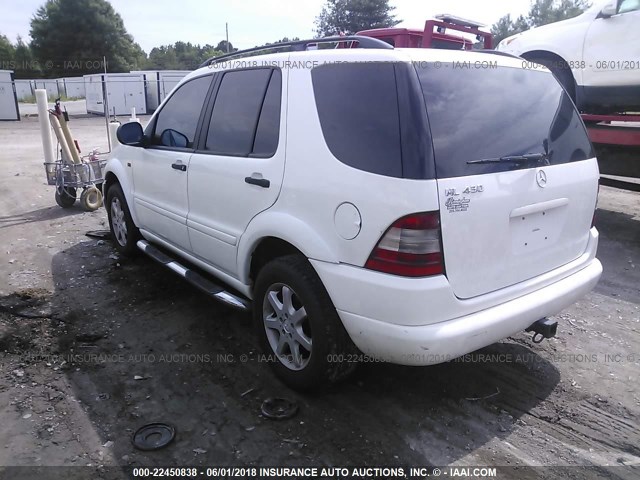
x,y
435,34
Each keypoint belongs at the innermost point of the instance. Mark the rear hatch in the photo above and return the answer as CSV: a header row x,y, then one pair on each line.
x,y
525,203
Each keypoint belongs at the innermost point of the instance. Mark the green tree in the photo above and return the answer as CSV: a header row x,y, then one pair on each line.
x,y
505,27
541,12
180,56
351,16
283,40
267,51
222,47
25,66
71,37
163,58
7,53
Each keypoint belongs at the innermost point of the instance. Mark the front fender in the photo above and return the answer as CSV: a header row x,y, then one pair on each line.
x,y
117,166
563,40
284,227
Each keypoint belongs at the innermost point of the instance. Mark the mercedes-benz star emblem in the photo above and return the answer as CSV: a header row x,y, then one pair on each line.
x,y
541,178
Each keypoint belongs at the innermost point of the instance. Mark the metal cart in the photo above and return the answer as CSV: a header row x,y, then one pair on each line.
x,y
71,177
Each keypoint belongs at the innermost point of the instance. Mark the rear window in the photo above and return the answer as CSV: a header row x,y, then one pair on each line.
x,y
484,113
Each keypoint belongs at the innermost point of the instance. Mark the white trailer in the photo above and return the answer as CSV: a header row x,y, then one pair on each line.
x,y
158,85
72,87
151,88
8,98
123,91
24,89
50,85
168,79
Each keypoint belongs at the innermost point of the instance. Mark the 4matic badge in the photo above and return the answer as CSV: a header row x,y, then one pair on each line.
x,y
462,204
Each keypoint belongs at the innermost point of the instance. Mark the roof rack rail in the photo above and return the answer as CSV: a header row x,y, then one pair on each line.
x,y
301,45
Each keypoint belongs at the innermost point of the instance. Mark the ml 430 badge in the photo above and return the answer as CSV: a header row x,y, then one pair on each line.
x,y
460,204
452,192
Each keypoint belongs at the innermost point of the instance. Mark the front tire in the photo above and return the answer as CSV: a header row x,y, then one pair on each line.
x,y
298,326
123,231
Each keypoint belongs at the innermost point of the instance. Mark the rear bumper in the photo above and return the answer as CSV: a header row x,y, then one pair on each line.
x,y
395,335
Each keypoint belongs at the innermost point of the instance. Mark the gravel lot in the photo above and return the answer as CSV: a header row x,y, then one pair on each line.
x,y
92,346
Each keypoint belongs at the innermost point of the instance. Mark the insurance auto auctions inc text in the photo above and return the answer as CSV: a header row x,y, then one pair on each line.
x,y
375,472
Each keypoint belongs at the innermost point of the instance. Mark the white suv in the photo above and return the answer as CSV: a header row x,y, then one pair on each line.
x,y
596,55
416,204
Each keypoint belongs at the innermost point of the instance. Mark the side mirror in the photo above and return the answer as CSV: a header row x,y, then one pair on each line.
x,y
130,134
608,11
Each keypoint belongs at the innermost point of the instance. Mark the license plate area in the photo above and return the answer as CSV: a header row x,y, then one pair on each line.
x,y
536,227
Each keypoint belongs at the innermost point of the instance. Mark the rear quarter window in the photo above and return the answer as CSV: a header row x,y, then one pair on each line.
x,y
358,110
482,113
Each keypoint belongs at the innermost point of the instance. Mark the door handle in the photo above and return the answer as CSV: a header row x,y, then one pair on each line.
x,y
261,182
179,166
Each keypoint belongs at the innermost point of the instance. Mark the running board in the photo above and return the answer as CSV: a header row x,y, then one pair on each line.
x,y
194,278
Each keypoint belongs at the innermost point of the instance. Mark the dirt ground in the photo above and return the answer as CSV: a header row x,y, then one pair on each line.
x,y
92,346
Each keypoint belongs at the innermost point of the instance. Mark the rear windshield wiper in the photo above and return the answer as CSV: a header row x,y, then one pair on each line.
x,y
529,157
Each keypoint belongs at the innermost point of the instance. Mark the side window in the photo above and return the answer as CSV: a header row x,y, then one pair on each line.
x,y
268,131
177,121
628,6
246,114
358,110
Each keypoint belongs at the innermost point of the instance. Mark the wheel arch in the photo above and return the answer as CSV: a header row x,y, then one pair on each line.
x,y
266,250
274,235
541,53
109,180
116,174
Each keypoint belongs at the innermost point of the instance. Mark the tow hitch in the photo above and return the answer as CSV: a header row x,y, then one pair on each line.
x,y
543,328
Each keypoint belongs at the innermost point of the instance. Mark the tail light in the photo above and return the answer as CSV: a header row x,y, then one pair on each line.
x,y
411,247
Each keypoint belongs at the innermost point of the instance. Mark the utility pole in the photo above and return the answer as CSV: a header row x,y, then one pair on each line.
x,y
106,101
226,25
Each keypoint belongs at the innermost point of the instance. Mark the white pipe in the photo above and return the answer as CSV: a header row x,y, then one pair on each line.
x,y
113,134
69,138
133,117
45,127
66,152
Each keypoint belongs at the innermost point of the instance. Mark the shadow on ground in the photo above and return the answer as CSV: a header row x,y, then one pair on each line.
x,y
619,251
39,215
146,347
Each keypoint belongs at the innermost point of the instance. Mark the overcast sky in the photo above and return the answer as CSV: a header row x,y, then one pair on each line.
x,y
251,22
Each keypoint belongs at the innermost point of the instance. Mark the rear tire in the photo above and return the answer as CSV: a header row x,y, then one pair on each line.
x,y
65,196
298,326
123,231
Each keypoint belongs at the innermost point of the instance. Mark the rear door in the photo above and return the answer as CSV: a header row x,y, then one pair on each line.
x,y
237,170
506,222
